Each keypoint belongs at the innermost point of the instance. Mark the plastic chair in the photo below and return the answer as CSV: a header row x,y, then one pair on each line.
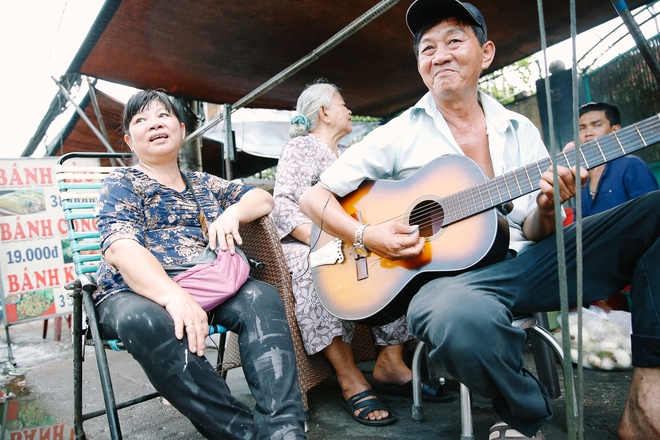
x,y
262,243
79,188
535,326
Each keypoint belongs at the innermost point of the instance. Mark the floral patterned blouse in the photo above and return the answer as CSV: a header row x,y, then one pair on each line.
x,y
302,161
134,206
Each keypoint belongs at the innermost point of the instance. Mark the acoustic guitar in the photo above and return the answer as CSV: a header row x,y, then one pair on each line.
x,y
454,204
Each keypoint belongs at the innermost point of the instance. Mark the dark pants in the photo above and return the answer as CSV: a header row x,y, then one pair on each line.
x,y
191,384
467,318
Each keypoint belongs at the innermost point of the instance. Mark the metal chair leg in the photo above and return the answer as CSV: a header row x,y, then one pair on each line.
x,y
557,348
417,409
466,414
546,369
528,324
104,371
78,347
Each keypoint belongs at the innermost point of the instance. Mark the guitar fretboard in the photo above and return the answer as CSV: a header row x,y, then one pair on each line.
x,y
525,180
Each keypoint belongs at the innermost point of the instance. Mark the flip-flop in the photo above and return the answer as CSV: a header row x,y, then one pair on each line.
x,y
366,406
502,431
430,393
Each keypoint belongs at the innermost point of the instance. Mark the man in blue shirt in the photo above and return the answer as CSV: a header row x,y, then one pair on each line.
x,y
612,183
617,181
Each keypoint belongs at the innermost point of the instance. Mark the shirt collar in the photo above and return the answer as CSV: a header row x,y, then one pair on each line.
x,y
495,116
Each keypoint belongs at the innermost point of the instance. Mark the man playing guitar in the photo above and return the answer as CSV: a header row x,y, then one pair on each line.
x,y
467,316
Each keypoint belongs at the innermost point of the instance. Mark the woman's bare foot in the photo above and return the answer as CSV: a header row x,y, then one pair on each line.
x,y
641,415
350,378
390,368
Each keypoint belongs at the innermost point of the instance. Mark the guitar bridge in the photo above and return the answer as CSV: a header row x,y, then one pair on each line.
x,y
330,253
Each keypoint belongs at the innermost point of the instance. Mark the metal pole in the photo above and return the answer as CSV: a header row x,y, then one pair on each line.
x,y
84,117
97,109
56,108
579,391
99,116
634,30
230,151
190,156
571,409
229,147
308,59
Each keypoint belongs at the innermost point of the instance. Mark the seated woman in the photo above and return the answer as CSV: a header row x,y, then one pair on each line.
x,y
152,216
322,120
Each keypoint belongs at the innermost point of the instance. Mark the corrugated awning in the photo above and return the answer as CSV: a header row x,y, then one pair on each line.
x,y
220,51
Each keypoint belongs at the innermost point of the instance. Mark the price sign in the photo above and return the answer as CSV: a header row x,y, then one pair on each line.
x,y
35,259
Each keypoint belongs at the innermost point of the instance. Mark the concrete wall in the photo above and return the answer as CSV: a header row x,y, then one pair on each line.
x,y
528,106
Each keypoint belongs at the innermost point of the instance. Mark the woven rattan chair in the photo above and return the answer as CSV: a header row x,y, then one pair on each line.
x,y
262,243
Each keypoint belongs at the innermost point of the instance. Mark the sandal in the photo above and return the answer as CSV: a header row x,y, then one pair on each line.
x,y
502,431
366,406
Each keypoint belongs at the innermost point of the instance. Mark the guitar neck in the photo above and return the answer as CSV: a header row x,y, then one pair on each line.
x,y
525,180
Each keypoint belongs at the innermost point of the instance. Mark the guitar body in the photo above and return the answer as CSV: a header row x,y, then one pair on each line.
x,y
418,200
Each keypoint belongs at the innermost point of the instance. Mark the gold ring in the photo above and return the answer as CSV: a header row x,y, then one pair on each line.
x,y
229,233
192,324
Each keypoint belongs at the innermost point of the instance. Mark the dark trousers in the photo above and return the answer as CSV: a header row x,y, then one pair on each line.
x,y
191,384
467,318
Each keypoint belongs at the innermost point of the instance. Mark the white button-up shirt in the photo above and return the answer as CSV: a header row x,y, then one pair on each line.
x,y
420,134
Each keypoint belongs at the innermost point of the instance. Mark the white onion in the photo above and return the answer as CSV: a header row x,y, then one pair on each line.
x,y
621,358
595,360
606,363
606,347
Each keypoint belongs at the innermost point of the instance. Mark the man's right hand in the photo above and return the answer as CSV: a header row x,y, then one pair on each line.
x,y
393,240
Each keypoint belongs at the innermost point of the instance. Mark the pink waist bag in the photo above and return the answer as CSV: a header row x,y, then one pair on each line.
x,y
212,284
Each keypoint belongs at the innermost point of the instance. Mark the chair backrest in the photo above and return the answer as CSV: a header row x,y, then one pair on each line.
x,y
261,243
79,187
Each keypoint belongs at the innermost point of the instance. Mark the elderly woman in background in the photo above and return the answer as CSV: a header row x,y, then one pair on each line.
x,y
322,119
153,216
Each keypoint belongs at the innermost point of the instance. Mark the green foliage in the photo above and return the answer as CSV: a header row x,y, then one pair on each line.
x,y
267,174
364,119
506,83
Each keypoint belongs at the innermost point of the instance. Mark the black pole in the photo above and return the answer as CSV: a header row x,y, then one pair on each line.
x,y
643,45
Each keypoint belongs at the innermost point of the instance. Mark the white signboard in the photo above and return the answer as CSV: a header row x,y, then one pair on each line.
x,y
35,260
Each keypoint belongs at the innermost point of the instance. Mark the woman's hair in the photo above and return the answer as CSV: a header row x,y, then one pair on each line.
x,y
611,111
140,100
310,101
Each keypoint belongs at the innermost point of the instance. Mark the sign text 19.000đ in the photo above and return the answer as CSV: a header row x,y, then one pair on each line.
x,y
33,254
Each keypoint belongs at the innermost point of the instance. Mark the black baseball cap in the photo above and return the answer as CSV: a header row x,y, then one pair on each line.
x,y
422,12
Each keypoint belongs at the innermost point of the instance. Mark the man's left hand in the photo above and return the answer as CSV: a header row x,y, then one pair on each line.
x,y
567,186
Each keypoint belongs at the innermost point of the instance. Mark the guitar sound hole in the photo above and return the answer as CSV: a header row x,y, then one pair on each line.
x,y
429,215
